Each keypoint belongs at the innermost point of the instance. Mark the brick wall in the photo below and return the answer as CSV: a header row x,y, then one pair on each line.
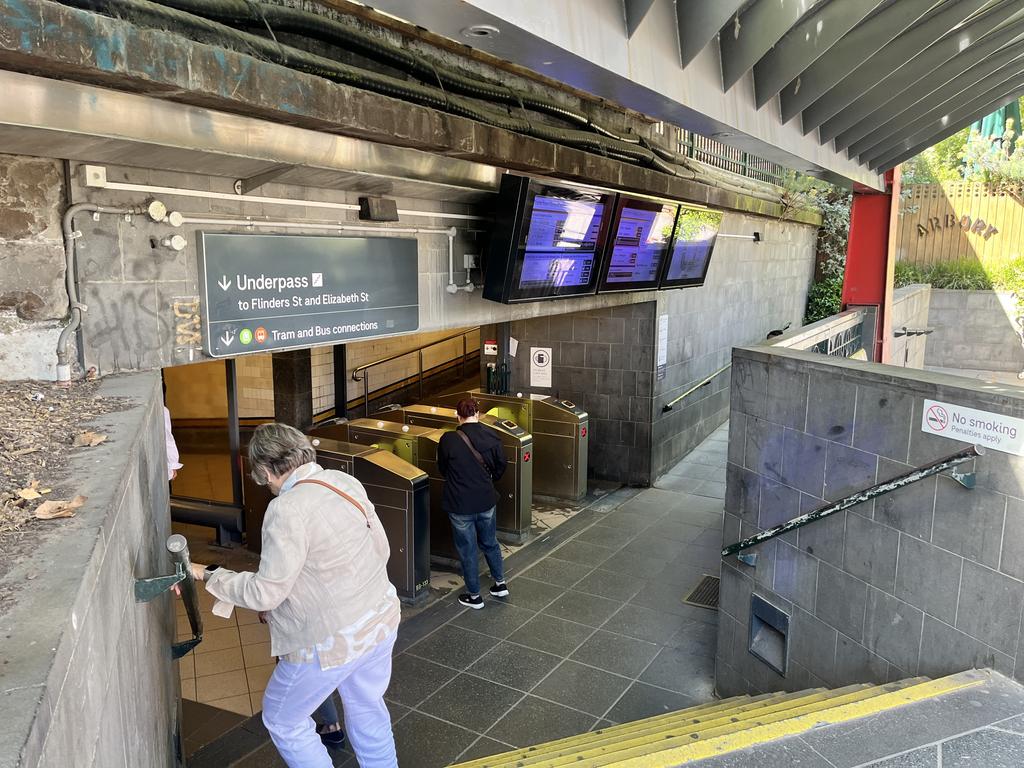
x,y
927,580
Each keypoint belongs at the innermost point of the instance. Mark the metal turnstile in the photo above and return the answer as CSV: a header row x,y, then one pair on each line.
x,y
418,446
560,432
400,494
515,489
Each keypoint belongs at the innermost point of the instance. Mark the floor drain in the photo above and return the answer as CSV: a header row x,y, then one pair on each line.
x,y
705,594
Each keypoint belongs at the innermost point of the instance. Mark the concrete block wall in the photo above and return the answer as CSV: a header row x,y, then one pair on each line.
x,y
910,308
927,580
88,678
974,330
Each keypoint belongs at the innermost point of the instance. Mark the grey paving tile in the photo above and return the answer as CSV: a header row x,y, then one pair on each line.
x,y
697,637
582,687
645,624
665,597
453,646
583,608
614,586
551,634
988,747
615,653
583,553
642,700
552,570
710,488
631,518
483,747
496,619
672,530
515,666
779,754
605,536
633,563
682,672
471,702
413,679
534,721
927,757
1015,724
695,471
530,594
426,742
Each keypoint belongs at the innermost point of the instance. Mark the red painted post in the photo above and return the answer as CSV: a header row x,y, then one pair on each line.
x,y
870,257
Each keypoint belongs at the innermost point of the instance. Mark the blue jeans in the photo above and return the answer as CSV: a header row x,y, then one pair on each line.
x,y
468,530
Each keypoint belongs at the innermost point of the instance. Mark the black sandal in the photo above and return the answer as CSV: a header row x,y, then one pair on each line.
x,y
333,738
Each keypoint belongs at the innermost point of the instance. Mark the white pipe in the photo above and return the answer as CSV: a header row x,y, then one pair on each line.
x,y
331,227
452,288
182,192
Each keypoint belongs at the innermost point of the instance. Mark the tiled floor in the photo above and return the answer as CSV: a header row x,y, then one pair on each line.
x,y
594,632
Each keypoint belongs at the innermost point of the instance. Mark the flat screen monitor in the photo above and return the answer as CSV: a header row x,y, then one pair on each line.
x,y
696,231
547,242
642,233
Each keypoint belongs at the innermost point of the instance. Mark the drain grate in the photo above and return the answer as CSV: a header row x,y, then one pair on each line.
x,y
705,594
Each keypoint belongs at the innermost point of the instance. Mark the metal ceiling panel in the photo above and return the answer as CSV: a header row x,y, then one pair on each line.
x,y
848,54
940,101
636,12
890,58
940,62
699,21
805,44
986,91
966,119
760,27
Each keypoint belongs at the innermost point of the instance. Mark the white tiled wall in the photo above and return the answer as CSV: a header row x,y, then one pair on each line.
x,y
323,378
255,379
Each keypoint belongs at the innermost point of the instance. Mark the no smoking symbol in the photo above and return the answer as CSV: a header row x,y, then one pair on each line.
x,y
937,418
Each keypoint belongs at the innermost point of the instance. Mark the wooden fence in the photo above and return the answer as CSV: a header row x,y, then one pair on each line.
x,y
959,220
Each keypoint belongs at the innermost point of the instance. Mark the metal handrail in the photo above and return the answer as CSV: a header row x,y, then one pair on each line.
x,y
184,583
668,406
418,351
914,475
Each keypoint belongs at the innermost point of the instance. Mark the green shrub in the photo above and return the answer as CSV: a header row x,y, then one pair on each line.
x,y
824,299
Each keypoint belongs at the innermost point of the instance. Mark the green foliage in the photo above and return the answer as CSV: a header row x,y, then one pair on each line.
x,y
824,299
968,276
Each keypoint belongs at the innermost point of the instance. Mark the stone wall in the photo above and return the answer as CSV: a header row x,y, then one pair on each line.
x,y
88,678
927,580
974,330
910,309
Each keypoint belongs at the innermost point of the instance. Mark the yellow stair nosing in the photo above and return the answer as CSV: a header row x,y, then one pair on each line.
x,y
793,726
681,719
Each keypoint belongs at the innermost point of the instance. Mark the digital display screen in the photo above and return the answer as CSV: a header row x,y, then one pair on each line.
x,y
695,233
643,231
561,242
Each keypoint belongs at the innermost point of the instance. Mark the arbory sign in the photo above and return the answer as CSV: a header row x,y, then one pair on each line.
x,y
540,367
969,425
273,292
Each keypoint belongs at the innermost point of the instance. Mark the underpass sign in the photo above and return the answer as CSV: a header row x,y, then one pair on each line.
x,y
275,292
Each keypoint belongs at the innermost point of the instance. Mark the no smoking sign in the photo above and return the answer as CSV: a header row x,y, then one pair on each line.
x,y
937,417
540,367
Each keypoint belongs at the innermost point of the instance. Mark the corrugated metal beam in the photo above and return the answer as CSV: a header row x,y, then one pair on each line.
x,y
963,121
848,54
761,26
822,28
636,12
981,76
938,64
699,21
891,57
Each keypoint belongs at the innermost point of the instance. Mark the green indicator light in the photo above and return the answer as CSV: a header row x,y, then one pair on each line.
x,y
245,336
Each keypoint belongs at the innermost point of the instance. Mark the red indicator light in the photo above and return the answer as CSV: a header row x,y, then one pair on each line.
x,y
583,431
526,457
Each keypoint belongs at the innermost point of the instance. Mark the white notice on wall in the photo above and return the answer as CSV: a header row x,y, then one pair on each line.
x,y
662,346
540,367
513,345
969,425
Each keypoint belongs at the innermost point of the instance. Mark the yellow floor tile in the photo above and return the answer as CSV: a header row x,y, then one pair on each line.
x,y
257,654
245,616
254,633
181,625
187,667
218,640
258,677
188,689
215,662
239,704
217,622
220,686
256,700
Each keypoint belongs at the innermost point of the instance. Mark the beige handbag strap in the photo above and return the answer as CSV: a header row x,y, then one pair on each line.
x,y
341,493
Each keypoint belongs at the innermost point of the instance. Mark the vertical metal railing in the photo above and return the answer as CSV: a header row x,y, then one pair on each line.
x,y
182,582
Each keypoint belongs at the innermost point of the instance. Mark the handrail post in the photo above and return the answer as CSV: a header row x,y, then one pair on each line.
x,y
366,394
149,589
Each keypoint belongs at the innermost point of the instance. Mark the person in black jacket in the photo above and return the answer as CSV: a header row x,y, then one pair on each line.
x,y
470,459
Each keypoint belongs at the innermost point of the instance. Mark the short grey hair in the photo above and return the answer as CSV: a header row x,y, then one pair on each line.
x,y
278,448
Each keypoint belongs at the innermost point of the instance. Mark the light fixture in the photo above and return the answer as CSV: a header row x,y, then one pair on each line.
x,y
174,242
480,30
156,210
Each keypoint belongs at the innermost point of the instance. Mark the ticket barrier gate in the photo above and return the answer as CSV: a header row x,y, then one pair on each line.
x,y
560,430
416,445
400,495
515,489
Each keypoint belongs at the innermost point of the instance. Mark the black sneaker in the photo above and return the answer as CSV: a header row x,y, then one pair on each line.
x,y
499,590
332,739
471,601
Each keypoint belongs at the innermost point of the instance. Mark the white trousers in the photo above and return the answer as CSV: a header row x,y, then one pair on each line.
x,y
296,690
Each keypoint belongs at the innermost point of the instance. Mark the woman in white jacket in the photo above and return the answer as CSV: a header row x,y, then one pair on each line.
x,y
333,614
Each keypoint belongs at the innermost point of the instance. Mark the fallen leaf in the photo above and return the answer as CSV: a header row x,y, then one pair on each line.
x,y
49,510
89,439
31,492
